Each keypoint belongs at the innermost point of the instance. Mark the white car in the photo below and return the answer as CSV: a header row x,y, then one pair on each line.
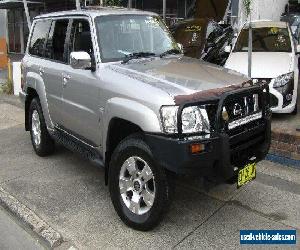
x,y
274,60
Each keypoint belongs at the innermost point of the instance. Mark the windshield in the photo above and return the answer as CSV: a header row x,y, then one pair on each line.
x,y
122,35
270,39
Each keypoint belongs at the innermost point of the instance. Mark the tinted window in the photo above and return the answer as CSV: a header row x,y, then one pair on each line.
x,y
271,39
81,39
56,40
38,38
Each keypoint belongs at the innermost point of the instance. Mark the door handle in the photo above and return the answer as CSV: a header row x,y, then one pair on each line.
x,y
41,71
66,78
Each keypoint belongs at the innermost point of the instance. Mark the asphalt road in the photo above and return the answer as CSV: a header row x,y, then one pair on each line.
x,y
14,236
69,193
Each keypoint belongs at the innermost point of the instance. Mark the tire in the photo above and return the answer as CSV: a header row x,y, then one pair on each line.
x,y
146,215
41,141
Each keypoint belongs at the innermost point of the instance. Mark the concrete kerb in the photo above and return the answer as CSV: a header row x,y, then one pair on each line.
x,y
33,221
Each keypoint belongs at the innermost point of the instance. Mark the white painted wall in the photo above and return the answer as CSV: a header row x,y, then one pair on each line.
x,y
17,77
263,9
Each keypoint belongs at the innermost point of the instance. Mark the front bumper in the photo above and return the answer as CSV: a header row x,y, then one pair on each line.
x,y
222,157
225,150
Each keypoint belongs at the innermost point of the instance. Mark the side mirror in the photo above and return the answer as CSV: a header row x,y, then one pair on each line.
x,y
228,49
80,60
298,49
180,47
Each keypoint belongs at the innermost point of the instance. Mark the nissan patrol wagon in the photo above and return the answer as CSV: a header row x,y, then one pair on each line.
x,y
114,86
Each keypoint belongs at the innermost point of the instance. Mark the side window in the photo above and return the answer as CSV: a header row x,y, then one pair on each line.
x,y
81,39
55,45
38,38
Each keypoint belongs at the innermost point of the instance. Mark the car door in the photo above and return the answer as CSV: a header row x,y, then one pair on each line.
x,y
81,88
53,67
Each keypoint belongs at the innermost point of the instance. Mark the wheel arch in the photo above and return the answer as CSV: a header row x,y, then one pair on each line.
x,y
124,117
35,87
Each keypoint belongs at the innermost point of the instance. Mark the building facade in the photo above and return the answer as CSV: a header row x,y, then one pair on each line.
x,y
14,28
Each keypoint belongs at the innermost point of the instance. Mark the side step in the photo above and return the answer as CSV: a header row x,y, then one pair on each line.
x,y
77,146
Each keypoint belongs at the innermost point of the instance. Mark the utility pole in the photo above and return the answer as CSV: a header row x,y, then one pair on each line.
x,y
27,14
250,49
129,4
78,4
164,9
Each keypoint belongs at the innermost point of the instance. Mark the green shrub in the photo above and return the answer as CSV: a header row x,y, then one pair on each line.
x,y
7,88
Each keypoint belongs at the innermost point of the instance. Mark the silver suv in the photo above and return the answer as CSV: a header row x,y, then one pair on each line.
x,y
114,86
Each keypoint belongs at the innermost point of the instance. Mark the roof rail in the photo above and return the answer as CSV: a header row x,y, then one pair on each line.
x,y
98,7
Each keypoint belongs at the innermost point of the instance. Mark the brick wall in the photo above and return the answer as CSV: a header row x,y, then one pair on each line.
x,y
287,145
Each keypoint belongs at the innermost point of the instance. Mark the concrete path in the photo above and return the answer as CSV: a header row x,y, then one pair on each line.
x,y
70,195
13,236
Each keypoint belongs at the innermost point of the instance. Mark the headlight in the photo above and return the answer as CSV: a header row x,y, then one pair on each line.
x,y
194,120
282,80
169,119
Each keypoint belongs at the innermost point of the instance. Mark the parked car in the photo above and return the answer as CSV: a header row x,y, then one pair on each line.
x,y
196,35
204,39
215,53
113,85
274,61
293,19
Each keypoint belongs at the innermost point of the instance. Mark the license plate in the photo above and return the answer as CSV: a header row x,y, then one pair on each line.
x,y
247,174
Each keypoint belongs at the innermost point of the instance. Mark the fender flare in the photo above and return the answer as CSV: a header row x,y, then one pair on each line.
x,y
132,111
36,82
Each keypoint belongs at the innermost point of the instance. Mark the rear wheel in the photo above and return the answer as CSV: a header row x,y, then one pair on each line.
x,y
42,143
138,186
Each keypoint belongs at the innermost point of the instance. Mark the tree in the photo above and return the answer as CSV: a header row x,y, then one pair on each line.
x,y
112,2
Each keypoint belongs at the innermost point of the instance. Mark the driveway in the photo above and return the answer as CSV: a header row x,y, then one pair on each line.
x,y
69,194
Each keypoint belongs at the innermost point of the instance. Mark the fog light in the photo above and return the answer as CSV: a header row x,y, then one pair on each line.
x,y
197,148
289,97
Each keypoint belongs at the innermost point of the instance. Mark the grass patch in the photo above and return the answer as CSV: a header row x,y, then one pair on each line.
x,y
7,88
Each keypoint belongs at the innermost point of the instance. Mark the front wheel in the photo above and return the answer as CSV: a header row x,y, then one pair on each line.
x,y
138,186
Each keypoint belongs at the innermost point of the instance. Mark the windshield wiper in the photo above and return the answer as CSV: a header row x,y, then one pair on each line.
x,y
137,55
170,52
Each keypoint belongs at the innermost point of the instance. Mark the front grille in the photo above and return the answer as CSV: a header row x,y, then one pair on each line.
x,y
246,143
262,80
244,111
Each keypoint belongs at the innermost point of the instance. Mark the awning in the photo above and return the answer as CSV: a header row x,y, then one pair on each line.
x,y
16,4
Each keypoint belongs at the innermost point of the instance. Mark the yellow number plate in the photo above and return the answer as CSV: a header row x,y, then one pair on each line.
x,y
247,174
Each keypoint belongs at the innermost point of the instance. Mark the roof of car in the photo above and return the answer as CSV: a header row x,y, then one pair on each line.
x,y
266,24
96,11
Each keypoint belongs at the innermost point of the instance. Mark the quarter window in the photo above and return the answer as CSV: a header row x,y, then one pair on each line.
x,y
38,38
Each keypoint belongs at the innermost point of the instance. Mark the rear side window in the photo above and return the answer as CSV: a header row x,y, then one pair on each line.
x,y
55,45
38,38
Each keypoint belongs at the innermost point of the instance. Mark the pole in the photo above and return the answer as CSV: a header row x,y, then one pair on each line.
x,y
129,4
164,9
78,4
250,48
27,14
